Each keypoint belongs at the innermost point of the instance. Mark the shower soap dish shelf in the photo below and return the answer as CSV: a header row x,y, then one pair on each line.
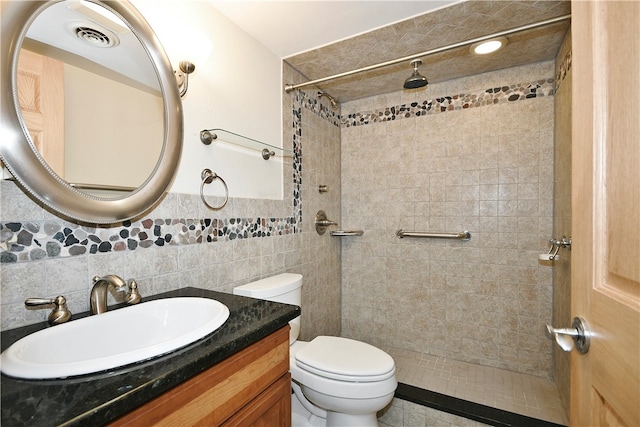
x,y
207,136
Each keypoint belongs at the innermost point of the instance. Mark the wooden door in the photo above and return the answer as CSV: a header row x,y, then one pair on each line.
x,y
40,84
605,382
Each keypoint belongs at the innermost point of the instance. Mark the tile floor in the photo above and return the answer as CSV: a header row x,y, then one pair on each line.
x,y
510,391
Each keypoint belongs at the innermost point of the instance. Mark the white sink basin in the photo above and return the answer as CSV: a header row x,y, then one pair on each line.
x,y
113,339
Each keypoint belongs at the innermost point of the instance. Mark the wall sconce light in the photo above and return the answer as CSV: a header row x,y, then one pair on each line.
x,y
182,76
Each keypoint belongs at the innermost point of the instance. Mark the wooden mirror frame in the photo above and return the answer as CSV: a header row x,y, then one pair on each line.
x,y
31,171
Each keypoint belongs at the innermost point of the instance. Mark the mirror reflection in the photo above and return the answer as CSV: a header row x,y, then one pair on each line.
x,y
90,97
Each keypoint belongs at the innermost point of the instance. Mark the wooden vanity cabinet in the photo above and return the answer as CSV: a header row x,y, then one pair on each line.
x,y
250,388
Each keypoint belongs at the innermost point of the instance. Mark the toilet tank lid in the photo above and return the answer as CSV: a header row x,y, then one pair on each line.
x,y
270,286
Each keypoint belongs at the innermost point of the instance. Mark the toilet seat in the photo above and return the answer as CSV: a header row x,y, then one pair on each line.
x,y
344,359
341,386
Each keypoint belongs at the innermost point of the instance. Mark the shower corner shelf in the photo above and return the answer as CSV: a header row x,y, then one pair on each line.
x,y
207,136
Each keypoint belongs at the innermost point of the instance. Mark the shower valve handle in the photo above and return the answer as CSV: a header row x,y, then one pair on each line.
x,y
322,222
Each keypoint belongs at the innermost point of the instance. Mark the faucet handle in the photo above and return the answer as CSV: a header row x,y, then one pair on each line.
x,y
37,302
60,312
133,296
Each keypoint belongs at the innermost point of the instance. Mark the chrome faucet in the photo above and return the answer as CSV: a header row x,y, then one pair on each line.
x,y
101,286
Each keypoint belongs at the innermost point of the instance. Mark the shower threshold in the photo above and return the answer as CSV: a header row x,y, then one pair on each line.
x,y
488,395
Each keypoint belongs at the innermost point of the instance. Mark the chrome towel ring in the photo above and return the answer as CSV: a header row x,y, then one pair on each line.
x,y
207,178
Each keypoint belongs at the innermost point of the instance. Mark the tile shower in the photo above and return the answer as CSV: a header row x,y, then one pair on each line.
x,y
473,154
486,169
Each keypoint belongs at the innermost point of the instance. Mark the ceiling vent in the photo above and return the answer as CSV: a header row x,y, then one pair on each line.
x,y
93,35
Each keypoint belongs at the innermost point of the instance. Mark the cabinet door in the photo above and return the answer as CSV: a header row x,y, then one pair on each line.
x,y
270,409
224,390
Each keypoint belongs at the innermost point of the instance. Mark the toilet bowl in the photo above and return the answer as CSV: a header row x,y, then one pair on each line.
x,y
336,381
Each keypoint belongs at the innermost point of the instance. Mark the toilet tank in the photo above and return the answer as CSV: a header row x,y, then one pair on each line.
x,y
285,288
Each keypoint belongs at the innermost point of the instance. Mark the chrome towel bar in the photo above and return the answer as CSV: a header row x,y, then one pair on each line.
x,y
465,236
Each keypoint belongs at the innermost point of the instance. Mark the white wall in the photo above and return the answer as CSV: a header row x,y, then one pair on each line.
x,y
238,87
89,132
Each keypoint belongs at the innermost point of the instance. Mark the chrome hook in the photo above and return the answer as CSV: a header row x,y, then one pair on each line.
x,y
182,76
207,178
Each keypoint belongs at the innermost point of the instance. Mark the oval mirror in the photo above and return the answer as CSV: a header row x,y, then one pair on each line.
x,y
91,115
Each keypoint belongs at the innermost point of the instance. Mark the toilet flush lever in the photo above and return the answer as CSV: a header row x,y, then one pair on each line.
x,y
578,335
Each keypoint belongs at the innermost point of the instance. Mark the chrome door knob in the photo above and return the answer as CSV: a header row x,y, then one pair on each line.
x,y
578,335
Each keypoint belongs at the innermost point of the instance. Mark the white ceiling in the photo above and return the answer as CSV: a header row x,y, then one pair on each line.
x,y
284,27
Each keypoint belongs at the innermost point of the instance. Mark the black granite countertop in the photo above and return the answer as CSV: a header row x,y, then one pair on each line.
x,y
96,399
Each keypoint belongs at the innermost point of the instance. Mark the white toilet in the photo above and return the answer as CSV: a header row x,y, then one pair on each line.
x,y
336,381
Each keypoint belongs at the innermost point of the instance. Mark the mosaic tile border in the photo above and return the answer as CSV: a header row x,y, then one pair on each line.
x,y
320,109
563,69
32,241
296,114
491,96
37,240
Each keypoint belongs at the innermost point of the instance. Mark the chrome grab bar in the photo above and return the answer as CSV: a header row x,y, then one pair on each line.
x,y
341,233
465,236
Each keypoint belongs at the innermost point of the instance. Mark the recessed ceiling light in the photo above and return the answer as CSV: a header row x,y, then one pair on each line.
x,y
488,46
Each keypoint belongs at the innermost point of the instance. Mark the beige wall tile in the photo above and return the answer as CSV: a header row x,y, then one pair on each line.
x,y
476,169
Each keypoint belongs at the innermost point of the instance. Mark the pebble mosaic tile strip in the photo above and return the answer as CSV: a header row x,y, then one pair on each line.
x,y
296,111
32,241
320,109
564,68
36,240
491,96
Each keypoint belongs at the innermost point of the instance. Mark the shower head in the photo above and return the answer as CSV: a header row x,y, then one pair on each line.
x,y
331,99
416,80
